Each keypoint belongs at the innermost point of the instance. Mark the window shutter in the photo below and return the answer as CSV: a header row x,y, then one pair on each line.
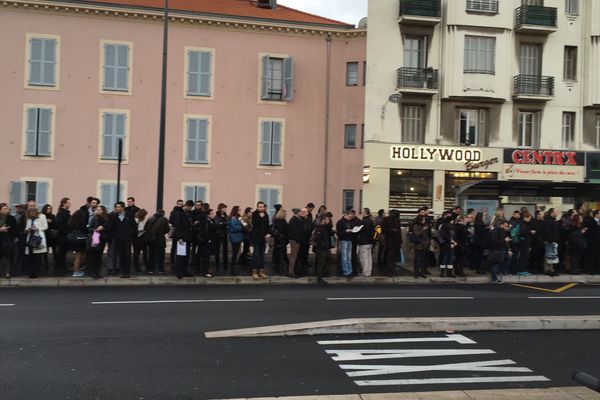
x,y
273,199
122,68
119,133
110,60
263,195
31,132
265,143
276,144
536,130
49,61
109,151
41,194
189,193
17,194
105,195
457,127
266,82
482,138
35,61
288,79
201,193
45,118
205,73
192,139
193,75
202,144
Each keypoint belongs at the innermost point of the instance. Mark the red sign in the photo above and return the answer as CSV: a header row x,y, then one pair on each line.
x,y
545,157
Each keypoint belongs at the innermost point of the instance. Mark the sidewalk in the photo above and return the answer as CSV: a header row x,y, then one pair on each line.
x,y
146,280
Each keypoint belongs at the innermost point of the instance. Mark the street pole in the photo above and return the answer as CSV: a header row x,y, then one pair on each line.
x,y
119,162
160,181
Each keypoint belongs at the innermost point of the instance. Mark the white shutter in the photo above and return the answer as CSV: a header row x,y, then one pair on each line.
x,y
119,129
110,65
45,119
189,193
17,194
201,193
273,199
202,143
105,196
49,51
276,144
41,194
205,73
193,73
265,142
265,80
192,139
31,132
122,68
35,61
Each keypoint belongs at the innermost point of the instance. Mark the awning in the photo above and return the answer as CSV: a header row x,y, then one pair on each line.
x,y
496,188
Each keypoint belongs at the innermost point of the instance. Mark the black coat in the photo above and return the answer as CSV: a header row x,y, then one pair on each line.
x,y
297,230
260,227
280,232
158,227
321,239
62,221
122,231
11,235
550,230
367,234
341,227
182,222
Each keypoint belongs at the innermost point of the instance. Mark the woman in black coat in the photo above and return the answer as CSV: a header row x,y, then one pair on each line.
x,y
8,236
281,240
447,243
210,245
95,250
51,234
480,230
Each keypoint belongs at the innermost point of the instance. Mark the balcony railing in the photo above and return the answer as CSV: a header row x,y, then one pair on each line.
x,y
421,8
486,6
418,78
535,15
533,85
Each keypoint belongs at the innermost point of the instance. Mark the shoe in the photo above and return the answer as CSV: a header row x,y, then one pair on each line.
x,y
208,275
150,272
499,281
423,276
262,275
7,276
78,274
442,273
125,276
321,282
255,275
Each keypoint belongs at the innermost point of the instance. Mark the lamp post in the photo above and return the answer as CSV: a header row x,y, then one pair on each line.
x,y
160,181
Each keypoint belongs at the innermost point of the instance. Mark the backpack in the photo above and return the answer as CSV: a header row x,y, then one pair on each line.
x,y
514,234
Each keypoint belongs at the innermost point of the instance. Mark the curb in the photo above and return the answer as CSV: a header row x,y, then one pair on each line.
x,y
282,280
411,325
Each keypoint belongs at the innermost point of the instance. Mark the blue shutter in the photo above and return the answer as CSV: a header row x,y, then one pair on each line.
x,y
17,194
276,144
202,149
49,60
189,193
263,195
41,194
205,74
119,130
265,81
200,193
110,61
288,79
192,139
31,132
273,199
45,118
122,68
193,75
265,143
35,61
105,195
108,148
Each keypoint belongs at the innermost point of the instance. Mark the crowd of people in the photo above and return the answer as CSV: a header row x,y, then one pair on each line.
x,y
207,241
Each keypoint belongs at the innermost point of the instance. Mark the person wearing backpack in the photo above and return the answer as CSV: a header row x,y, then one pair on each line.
x,y
158,227
420,240
498,240
320,240
524,234
577,244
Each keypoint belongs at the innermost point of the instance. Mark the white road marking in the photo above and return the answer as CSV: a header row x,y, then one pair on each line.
x,y
449,338
177,301
439,381
400,298
357,355
6,305
563,297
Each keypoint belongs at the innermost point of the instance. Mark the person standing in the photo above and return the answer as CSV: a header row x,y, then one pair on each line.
x,y
181,220
420,240
236,236
305,246
62,225
78,226
221,221
260,232
499,248
51,235
8,237
208,246
321,242
577,244
297,235
141,241
591,258
35,226
525,232
447,242
365,242
95,248
461,233
178,207
131,208
345,237
123,229
392,232
246,221
550,237
281,240
157,226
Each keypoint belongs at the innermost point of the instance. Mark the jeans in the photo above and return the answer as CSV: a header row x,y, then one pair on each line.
x,y
365,252
235,251
494,271
258,255
346,257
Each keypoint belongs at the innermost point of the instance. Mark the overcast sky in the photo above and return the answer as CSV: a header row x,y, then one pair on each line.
x,y
350,11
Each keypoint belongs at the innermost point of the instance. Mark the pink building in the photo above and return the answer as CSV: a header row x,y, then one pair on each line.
x,y
263,103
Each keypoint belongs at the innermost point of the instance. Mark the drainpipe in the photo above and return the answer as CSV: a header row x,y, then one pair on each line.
x,y
327,111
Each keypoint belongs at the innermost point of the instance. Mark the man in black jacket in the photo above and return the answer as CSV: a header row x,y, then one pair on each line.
x,y
297,231
498,242
181,219
62,226
178,205
550,235
123,230
258,236
345,235
131,208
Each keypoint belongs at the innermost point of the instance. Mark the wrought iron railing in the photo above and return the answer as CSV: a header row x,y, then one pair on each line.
x,y
423,8
418,78
488,6
535,15
534,85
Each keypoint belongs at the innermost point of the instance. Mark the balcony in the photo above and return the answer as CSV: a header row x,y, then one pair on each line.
x,y
483,6
419,81
420,12
533,87
535,19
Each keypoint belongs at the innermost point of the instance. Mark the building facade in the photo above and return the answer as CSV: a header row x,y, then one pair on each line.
x,y
461,91
263,103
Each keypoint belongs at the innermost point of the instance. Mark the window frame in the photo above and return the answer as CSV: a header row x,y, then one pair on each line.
x,y
209,119
478,49
123,194
261,165
491,10
51,144
571,5
568,125
345,193
27,72
186,62
270,208
126,141
346,137
422,121
570,64
597,130
352,80
196,185
290,94
535,129
481,122
101,80
24,180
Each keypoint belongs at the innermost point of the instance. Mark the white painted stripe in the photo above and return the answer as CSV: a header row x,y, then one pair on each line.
x,y
478,366
440,381
448,338
177,301
360,355
6,305
400,298
563,297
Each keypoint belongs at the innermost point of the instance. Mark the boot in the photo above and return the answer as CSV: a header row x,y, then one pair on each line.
x,y
450,272
262,275
255,275
442,271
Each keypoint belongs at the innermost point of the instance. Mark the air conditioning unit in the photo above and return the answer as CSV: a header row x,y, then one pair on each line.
x,y
272,4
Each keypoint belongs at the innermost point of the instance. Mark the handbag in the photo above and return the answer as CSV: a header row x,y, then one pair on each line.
x,y
34,241
77,237
93,244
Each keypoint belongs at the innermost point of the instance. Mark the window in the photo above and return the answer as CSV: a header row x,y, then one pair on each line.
x,y
568,130
484,6
351,74
42,61
350,137
471,127
480,55
38,131
572,7
108,194
347,200
413,124
113,130
277,78
270,196
529,125
362,136
270,143
196,141
195,192
116,67
199,74
364,73
597,129
25,190
570,63
415,51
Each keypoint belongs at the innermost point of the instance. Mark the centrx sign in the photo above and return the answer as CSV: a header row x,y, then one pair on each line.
x,y
544,157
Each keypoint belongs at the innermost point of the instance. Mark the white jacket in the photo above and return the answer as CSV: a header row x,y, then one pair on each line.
x,y
42,224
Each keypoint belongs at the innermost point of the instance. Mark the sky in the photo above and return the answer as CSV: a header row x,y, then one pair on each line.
x,y
350,11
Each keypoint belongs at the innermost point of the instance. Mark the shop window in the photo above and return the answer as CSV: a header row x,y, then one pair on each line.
x,y
413,124
471,127
528,128
457,178
568,130
410,189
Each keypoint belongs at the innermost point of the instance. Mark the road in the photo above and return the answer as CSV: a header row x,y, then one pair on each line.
x,y
148,343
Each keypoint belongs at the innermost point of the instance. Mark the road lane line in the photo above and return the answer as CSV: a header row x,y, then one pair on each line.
x,y
401,298
563,297
177,301
438,381
6,305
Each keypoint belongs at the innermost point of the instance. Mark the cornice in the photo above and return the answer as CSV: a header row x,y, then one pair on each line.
x,y
182,18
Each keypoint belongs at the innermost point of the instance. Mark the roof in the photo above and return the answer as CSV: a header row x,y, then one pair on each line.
x,y
235,8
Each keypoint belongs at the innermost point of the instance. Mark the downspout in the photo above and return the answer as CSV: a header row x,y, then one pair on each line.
x,y
327,112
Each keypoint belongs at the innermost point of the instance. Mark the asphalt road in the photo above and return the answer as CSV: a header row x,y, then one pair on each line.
x,y
94,343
